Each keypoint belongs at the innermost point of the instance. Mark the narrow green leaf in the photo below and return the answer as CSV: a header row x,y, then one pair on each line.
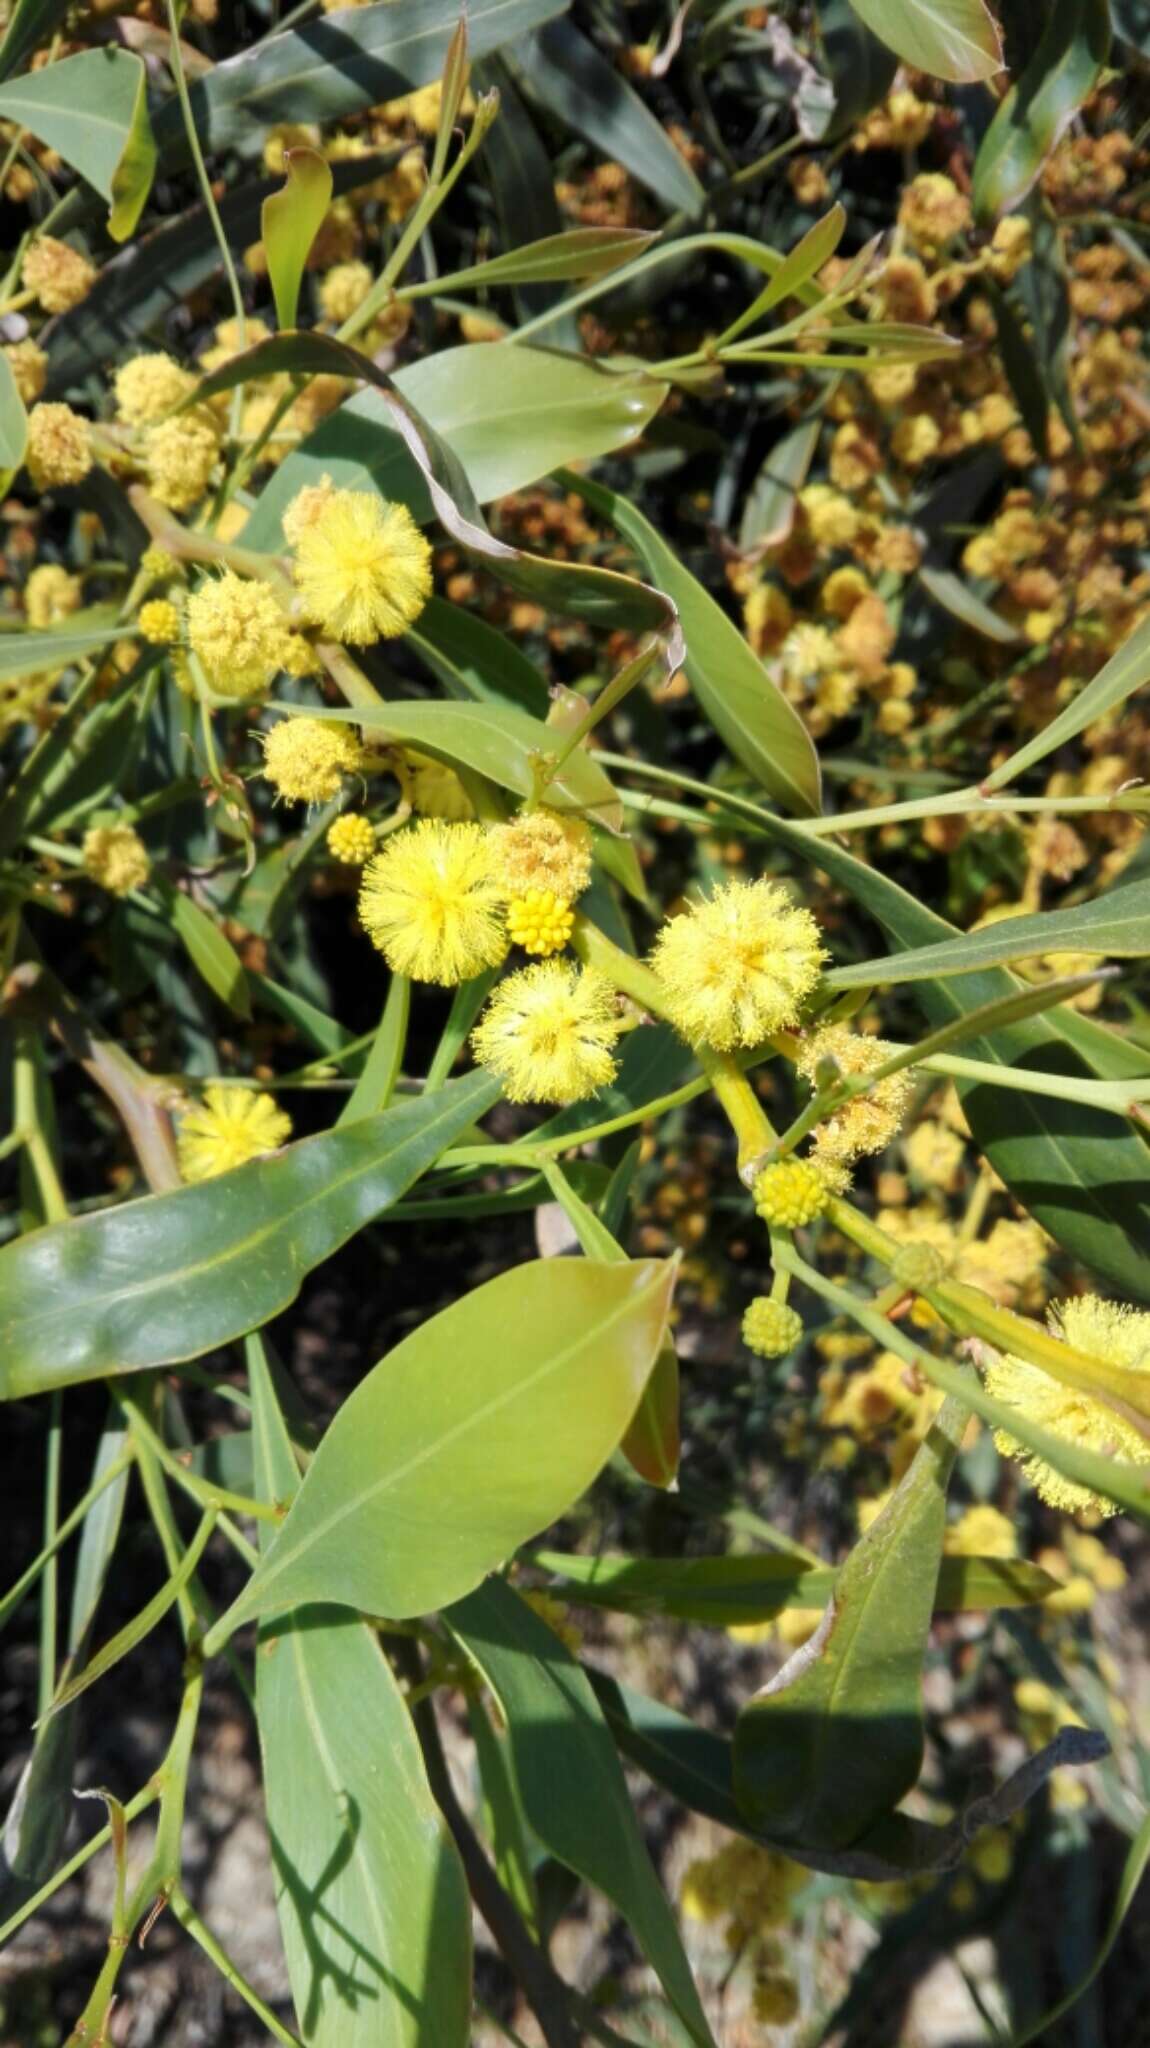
x,y
826,1750
171,1276
956,597
376,1084
1124,673
212,955
1116,923
30,23
565,70
472,1435
569,1777
141,1625
290,220
799,266
1025,372
557,258
1035,113
506,1824
92,109
32,654
13,425
769,511
951,39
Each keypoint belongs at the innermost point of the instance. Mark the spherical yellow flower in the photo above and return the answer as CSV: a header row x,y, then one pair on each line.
x,y
548,1032
751,1885
306,508
432,903
180,455
539,922
115,856
364,569
306,759
433,789
351,839
149,386
57,273
868,1122
59,446
237,629
230,1126
790,1192
29,366
50,594
159,566
159,622
933,210
982,1531
771,1328
343,289
737,966
544,849
1110,1331
831,519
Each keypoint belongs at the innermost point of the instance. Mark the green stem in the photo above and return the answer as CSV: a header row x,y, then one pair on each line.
x,y
59,1537
185,1914
48,1596
176,64
201,1491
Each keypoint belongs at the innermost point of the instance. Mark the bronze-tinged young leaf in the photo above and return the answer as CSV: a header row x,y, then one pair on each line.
x,y
477,1431
166,1278
952,39
290,220
829,1746
569,1777
1032,117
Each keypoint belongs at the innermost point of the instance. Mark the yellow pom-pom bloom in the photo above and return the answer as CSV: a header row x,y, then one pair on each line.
x,y
306,759
790,1192
771,1328
50,594
343,290
1110,1331
149,386
545,850
237,629
432,903
548,1033
29,366
868,1122
59,446
180,455
364,569
230,1126
737,966
159,622
115,856
159,566
539,922
57,273
351,839
981,1531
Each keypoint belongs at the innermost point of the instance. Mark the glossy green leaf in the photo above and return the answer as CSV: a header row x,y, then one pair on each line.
x,y
828,1747
750,714
290,220
1042,289
727,1591
372,1901
952,39
330,68
474,661
478,1430
171,1276
212,955
569,1777
510,415
1124,673
13,425
956,597
1116,923
565,70
32,654
92,108
1032,117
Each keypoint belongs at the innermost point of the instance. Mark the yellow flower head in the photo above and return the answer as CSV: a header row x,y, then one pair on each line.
x,y
50,594
1111,1331
364,569
237,629
771,1328
306,759
790,1192
351,839
933,210
29,366
159,622
434,789
57,273
750,1885
343,289
115,856
737,966
308,506
869,1122
432,903
159,566
230,1126
539,922
59,446
149,386
981,1531
544,850
181,455
548,1032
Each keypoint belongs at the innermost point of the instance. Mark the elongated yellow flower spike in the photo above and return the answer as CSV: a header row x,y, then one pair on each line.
x,y
433,904
737,967
1111,1331
548,1033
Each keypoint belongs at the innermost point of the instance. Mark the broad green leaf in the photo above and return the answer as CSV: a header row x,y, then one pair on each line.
x,y
1062,72
861,68
170,1276
92,108
339,65
565,70
478,1430
829,1746
32,654
290,220
1124,673
372,1901
510,415
727,1591
751,716
474,661
956,597
953,39
569,1777
211,954
1116,923
13,425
